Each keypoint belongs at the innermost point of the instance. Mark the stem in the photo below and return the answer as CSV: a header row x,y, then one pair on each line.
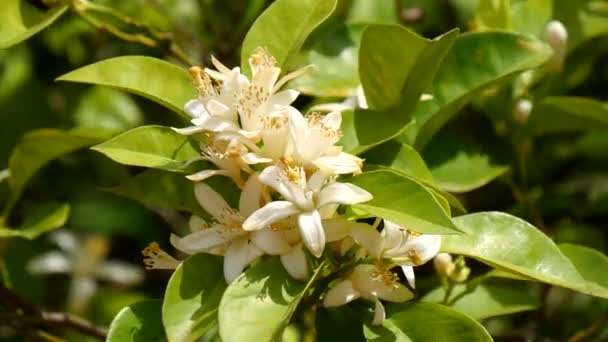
x,y
584,334
448,292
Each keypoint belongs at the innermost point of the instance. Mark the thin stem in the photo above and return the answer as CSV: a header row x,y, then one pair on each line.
x,y
583,335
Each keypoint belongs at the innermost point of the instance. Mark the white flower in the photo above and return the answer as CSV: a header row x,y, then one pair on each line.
x,y
403,247
371,282
303,199
226,236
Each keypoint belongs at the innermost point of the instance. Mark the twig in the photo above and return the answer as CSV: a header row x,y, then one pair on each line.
x,y
584,334
25,314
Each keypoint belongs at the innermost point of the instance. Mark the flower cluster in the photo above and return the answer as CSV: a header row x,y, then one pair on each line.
x,y
287,166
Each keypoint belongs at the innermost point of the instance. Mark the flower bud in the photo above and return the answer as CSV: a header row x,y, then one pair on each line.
x,y
522,110
556,35
460,272
443,264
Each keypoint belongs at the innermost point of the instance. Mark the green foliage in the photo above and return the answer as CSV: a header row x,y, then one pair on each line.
x,y
40,221
592,266
138,323
20,20
565,114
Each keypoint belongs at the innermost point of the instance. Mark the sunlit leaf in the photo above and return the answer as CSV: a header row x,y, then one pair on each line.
x,y
19,20
140,322
493,14
400,157
39,221
593,267
108,109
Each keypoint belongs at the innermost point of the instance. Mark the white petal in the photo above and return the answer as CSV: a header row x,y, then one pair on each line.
x,y
201,241
50,262
210,200
394,237
121,273
409,275
251,195
297,128
333,120
188,130
311,230
342,163
272,176
330,107
217,108
283,98
342,293
365,280
238,255
195,108
66,240
270,241
219,66
379,313
82,288
268,214
317,180
202,175
361,100
425,246
336,229
197,223
368,237
295,263
254,158
346,245
291,76
343,193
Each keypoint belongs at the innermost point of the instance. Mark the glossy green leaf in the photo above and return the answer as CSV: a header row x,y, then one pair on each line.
x,y
20,20
396,65
139,322
155,79
108,109
150,146
433,322
531,16
494,14
593,267
161,189
567,114
192,298
35,150
507,242
460,166
372,12
488,300
255,305
400,157
582,21
404,201
39,221
283,28
476,61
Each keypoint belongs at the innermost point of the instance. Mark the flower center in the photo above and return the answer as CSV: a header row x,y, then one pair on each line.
x,y
384,275
261,59
315,121
203,83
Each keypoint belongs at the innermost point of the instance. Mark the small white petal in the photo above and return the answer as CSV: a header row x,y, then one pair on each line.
x,y
255,158
251,195
272,176
188,130
379,313
311,230
342,163
66,240
270,242
82,288
197,223
239,254
283,98
216,108
201,241
195,108
50,262
210,200
409,275
291,76
336,229
219,66
121,273
425,246
342,293
368,237
331,107
343,193
268,214
202,175
295,263
333,120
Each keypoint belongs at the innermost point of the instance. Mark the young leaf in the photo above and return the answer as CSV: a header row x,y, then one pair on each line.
x,y
593,267
477,60
283,27
567,114
404,201
150,146
255,306
155,79
433,322
19,20
488,300
507,242
139,322
38,222
192,297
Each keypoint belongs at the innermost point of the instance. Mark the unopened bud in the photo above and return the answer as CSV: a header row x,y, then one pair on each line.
x,y
556,35
522,110
461,272
443,264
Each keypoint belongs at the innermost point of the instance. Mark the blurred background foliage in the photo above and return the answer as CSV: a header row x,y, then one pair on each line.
x,y
549,168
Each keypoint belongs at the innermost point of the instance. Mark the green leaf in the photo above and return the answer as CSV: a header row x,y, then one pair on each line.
x,y
510,243
396,65
567,114
531,16
460,166
283,28
582,21
476,61
108,109
192,297
161,189
400,157
255,306
433,322
155,79
19,20
35,150
488,300
150,146
593,267
404,201
376,12
494,14
139,322
38,222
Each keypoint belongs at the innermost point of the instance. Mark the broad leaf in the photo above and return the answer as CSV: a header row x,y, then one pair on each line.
x,y
476,60
161,189
592,266
155,79
109,109
255,306
39,221
488,300
404,201
192,297
494,14
461,166
531,16
507,242
433,322
20,20
151,146
567,114
139,322
373,12
400,157
35,150
283,27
